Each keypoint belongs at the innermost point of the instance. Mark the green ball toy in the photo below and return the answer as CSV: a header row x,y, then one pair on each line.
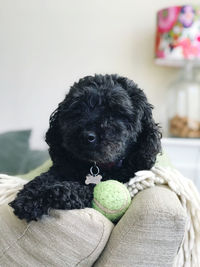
x,y
112,199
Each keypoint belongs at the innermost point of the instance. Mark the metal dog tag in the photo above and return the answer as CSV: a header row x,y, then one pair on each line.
x,y
93,178
90,179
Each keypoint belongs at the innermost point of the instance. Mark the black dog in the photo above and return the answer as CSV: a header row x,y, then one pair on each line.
x,y
104,123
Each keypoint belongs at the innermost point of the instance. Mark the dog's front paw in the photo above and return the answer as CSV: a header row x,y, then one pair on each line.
x,y
28,208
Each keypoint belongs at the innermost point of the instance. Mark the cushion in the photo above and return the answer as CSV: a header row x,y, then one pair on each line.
x,y
149,234
14,146
66,238
15,154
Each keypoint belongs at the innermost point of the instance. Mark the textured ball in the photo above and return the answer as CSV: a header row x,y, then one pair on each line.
x,y
112,199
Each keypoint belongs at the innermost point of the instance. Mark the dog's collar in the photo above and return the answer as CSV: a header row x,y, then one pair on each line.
x,y
106,166
94,177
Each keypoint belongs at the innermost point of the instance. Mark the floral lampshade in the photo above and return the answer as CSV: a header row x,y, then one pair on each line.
x,y
178,35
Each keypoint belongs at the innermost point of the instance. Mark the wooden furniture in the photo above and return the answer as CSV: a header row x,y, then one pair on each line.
x,y
185,156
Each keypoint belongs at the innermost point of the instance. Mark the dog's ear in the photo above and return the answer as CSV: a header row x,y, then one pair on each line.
x,y
143,150
53,136
148,140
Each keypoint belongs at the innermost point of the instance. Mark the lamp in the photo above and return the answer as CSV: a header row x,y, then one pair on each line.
x,y
178,44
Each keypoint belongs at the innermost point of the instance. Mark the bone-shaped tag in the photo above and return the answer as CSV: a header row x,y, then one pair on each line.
x,y
93,179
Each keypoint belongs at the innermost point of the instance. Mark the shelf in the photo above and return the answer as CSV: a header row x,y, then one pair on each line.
x,y
184,154
181,141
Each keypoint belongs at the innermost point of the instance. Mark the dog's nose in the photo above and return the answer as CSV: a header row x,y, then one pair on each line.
x,y
91,137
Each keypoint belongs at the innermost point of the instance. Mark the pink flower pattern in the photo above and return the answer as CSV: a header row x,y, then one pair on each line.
x,y
186,16
178,32
166,18
188,48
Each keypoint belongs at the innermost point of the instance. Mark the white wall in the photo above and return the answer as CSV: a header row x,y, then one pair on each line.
x,y
45,45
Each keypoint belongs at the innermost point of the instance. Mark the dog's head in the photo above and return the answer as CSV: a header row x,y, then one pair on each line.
x,y
100,119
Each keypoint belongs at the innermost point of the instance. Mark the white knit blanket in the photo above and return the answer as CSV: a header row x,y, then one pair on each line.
x,y
189,253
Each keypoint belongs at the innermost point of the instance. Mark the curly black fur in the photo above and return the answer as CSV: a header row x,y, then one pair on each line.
x,y
112,111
